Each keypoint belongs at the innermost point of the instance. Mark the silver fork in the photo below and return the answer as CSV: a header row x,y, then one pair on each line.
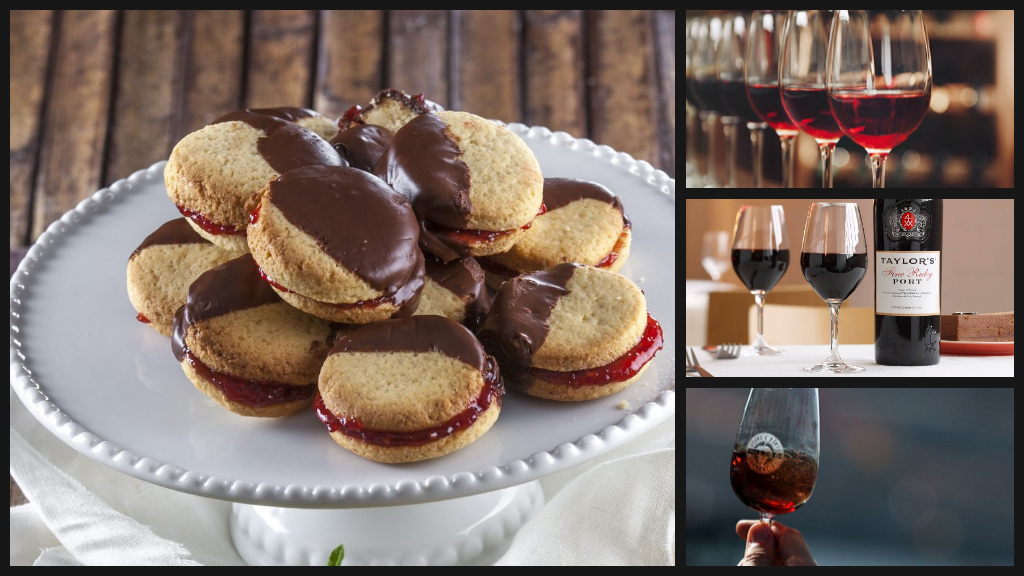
x,y
728,352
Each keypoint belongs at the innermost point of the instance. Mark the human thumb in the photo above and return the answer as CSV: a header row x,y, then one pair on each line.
x,y
761,547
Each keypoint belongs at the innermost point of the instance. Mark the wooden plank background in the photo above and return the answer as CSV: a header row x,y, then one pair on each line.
x,y
96,95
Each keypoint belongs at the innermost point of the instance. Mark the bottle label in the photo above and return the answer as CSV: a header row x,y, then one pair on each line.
x,y
907,283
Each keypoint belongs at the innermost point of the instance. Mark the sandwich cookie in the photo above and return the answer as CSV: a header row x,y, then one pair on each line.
x,y
390,108
162,267
213,171
338,243
475,186
584,223
570,333
456,290
305,117
408,389
363,145
241,345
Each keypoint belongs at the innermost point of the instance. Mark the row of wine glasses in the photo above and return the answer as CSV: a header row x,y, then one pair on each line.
x,y
833,260
865,74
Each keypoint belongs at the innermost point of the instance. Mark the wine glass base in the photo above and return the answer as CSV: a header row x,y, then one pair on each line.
x,y
766,350
833,368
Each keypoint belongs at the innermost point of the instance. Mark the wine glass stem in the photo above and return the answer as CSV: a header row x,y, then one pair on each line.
x,y
731,128
827,152
878,169
691,161
787,160
757,150
711,178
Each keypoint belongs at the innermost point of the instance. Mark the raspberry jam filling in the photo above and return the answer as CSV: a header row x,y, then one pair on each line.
x,y
209,225
625,367
491,392
364,304
255,393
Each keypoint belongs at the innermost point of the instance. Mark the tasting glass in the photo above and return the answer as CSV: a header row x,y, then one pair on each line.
x,y
775,457
802,80
761,73
879,78
704,63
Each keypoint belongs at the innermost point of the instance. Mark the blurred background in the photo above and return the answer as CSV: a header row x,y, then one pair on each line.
x,y
907,477
967,137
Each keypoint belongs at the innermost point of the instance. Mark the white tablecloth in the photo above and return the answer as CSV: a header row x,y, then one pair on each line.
x,y
796,357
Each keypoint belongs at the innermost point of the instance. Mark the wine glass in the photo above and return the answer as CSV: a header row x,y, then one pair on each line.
x,y
879,79
761,73
834,259
802,72
775,457
760,256
705,77
691,106
715,253
733,90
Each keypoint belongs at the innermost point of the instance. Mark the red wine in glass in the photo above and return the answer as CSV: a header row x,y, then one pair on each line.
x,y
691,93
879,121
760,269
709,94
834,276
767,102
808,108
734,94
778,492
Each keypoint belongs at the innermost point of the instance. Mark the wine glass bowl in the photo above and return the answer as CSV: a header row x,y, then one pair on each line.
x,y
808,108
774,464
879,120
767,102
780,492
734,94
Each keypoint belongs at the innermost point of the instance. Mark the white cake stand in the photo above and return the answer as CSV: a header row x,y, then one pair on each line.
x,y
109,387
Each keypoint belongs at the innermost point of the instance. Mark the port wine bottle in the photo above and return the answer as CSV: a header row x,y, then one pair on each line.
x,y
908,278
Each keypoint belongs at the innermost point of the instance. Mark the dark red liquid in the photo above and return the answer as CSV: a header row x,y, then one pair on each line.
x,y
808,108
710,96
779,492
691,92
760,269
734,93
767,102
880,122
